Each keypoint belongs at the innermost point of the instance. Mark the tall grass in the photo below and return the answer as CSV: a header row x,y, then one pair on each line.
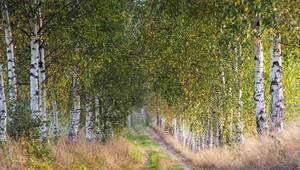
x,y
257,153
115,154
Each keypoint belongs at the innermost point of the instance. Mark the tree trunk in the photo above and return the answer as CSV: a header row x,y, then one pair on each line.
x,y
173,130
129,120
210,134
239,124
276,86
144,115
191,141
88,120
10,58
97,120
3,113
73,133
181,131
157,118
55,118
42,88
198,141
34,44
261,119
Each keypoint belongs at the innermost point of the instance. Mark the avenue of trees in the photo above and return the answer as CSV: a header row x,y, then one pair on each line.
x,y
222,68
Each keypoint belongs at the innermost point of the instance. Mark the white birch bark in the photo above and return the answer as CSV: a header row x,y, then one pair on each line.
x,y
144,115
157,118
210,137
129,120
73,133
181,132
198,141
97,120
10,58
276,91
3,113
276,85
173,128
239,125
34,44
202,140
191,140
55,118
88,121
42,88
216,135
261,119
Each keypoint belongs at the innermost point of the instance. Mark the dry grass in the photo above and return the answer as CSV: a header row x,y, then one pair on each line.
x,y
82,155
93,155
257,153
13,156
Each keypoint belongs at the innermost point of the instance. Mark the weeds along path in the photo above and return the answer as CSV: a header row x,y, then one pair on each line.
x,y
175,155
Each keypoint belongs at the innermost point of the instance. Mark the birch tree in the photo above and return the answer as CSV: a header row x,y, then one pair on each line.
x,y
55,118
74,126
10,57
97,118
3,113
239,124
41,75
34,45
88,120
276,75
261,118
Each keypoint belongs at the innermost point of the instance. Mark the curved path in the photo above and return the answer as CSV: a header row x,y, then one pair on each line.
x,y
158,139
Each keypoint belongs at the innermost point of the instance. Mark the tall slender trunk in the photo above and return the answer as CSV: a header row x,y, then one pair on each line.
x,y
97,120
261,118
216,134
202,139
173,129
276,87
239,125
157,118
144,115
3,113
10,58
210,134
191,142
276,75
34,44
88,120
55,118
42,88
181,131
73,133
129,120
198,141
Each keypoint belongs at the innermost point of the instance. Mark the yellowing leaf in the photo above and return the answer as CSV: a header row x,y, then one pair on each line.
x,y
246,9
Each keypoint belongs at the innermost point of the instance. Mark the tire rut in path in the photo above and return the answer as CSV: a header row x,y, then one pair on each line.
x,y
158,139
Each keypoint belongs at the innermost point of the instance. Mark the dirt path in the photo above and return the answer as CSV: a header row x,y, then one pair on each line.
x,y
158,139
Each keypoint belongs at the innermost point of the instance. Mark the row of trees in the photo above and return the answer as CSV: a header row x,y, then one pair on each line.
x,y
99,60
81,57
206,74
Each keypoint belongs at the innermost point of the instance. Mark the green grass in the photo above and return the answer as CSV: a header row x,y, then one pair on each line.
x,y
144,146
